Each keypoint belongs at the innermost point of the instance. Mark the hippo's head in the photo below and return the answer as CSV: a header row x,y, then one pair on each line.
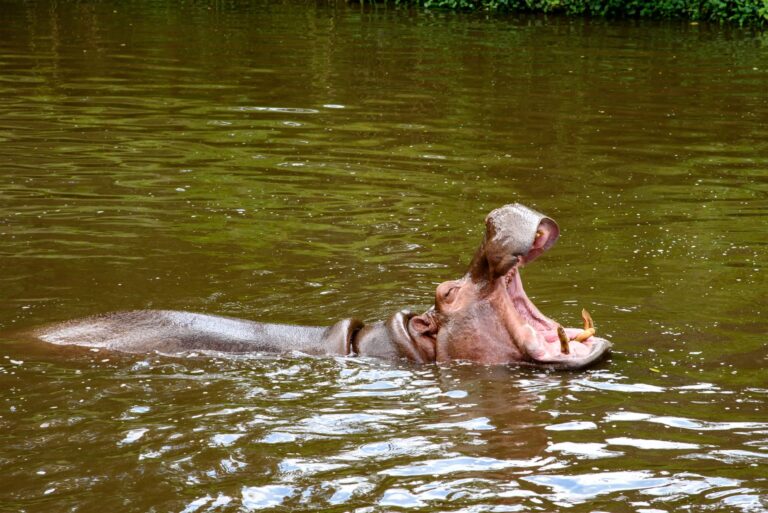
x,y
486,317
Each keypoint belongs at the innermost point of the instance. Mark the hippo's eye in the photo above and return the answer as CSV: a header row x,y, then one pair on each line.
x,y
449,294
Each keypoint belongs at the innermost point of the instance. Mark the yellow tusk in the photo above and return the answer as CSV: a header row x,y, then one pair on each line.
x,y
564,348
584,335
587,319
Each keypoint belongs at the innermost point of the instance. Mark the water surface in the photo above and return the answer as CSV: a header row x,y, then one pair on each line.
x,y
302,163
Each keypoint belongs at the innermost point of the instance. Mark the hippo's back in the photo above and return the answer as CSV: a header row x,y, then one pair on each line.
x,y
171,332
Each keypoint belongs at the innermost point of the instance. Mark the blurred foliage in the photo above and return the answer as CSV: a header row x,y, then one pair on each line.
x,y
742,12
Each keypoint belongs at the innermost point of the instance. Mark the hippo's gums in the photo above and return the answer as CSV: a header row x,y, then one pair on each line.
x,y
483,317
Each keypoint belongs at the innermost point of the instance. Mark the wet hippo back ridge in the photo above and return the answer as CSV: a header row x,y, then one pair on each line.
x,y
170,332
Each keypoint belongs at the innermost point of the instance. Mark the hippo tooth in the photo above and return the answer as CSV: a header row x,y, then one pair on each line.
x,y
587,319
564,348
584,335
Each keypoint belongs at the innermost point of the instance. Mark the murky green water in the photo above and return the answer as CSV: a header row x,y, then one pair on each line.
x,y
296,163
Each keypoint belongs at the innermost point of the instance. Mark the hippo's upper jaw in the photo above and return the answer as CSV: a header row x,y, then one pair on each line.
x,y
486,316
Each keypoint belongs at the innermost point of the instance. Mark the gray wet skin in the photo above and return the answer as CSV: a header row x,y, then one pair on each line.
x,y
484,317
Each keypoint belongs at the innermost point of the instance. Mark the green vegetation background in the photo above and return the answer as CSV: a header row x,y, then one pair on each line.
x,y
743,12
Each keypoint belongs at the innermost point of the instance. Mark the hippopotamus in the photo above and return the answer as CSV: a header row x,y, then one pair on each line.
x,y
485,317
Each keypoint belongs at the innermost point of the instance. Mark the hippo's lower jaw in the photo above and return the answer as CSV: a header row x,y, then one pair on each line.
x,y
596,349
545,346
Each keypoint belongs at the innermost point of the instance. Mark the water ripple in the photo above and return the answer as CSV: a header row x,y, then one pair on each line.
x,y
456,464
584,487
255,498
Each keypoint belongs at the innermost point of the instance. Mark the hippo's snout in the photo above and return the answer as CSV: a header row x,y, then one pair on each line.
x,y
514,234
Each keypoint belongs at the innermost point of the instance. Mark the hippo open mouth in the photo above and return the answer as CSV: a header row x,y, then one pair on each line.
x,y
486,315
553,345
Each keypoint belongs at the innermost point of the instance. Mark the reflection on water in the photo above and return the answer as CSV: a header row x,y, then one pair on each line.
x,y
304,163
238,434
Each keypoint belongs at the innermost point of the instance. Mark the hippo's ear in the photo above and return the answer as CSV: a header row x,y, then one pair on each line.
x,y
414,335
423,326
423,331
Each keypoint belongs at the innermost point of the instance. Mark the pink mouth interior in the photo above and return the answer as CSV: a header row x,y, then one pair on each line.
x,y
545,327
525,307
